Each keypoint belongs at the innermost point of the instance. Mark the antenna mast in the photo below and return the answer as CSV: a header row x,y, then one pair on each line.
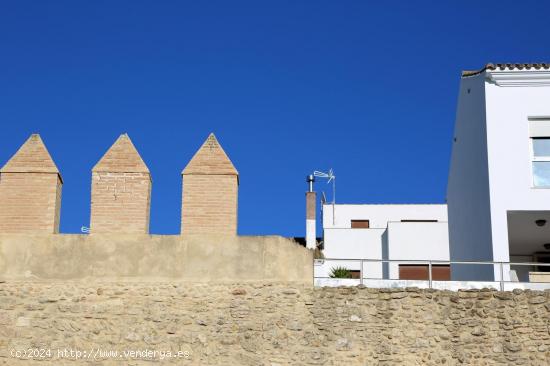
x,y
330,178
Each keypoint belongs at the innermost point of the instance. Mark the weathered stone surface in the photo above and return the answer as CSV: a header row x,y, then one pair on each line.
x,y
270,323
161,257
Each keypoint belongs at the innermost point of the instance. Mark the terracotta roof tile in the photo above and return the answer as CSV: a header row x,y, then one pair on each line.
x,y
510,66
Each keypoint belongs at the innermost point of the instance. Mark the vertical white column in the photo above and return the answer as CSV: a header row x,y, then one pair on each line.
x,y
311,224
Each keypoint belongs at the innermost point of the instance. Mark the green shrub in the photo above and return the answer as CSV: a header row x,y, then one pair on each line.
x,y
340,272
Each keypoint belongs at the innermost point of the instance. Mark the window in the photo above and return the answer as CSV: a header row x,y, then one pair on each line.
x,y
440,272
418,220
360,224
541,161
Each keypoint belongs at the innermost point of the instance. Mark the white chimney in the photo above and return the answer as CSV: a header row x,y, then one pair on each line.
x,y
311,224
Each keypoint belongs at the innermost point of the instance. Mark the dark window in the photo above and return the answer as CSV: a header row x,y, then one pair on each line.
x,y
360,224
418,220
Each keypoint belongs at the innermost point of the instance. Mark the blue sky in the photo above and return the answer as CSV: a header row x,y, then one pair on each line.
x,y
288,87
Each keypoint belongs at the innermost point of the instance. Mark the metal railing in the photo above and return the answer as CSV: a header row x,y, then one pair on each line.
x,y
431,263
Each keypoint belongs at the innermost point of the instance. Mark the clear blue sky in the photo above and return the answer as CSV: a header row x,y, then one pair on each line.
x,y
287,86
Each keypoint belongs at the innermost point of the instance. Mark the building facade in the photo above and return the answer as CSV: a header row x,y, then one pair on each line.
x,y
394,232
498,191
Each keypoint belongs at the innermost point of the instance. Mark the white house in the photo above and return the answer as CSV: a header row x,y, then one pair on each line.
x,y
390,232
498,191
498,194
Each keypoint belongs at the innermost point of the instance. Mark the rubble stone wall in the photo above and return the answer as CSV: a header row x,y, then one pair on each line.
x,y
269,324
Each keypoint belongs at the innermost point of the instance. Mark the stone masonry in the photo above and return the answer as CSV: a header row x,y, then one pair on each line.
x,y
30,190
121,191
210,191
268,324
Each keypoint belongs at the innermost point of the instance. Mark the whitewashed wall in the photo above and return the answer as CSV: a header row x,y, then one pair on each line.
x,y
380,214
352,244
468,186
509,153
417,241
490,170
412,240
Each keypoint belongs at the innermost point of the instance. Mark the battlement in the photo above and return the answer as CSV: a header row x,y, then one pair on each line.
x,y
30,191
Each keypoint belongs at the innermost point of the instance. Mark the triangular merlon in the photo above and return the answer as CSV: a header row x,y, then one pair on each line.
x,y
122,157
31,157
210,159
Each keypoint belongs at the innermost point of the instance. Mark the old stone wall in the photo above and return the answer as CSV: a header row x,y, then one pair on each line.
x,y
202,258
268,324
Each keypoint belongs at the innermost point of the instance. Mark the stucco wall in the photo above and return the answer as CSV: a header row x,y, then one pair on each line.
x,y
150,257
417,240
380,214
468,198
269,324
387,237
509,154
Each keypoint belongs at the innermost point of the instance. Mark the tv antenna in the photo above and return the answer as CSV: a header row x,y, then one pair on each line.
x,y
331,178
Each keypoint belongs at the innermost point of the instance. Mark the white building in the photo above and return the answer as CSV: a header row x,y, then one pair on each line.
x,y
498,192
389,232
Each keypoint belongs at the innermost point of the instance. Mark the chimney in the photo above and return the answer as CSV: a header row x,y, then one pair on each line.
x,y
311,224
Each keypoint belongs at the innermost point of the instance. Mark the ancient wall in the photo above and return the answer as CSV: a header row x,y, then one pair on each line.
x,y
203,258
268,324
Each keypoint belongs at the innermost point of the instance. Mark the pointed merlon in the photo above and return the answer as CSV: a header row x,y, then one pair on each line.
x,y
210,159
32,157
122,157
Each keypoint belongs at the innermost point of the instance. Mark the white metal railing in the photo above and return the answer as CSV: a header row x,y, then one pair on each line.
x,y
430,263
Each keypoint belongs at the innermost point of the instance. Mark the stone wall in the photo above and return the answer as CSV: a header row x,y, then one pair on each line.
x,y
270,324
202,258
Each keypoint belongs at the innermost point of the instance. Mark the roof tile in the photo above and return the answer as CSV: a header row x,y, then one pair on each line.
x,y
507,66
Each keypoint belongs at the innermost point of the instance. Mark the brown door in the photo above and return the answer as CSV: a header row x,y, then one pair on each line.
x,y
420,272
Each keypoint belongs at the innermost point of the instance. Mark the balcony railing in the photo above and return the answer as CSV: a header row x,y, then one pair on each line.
x,y
502,276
